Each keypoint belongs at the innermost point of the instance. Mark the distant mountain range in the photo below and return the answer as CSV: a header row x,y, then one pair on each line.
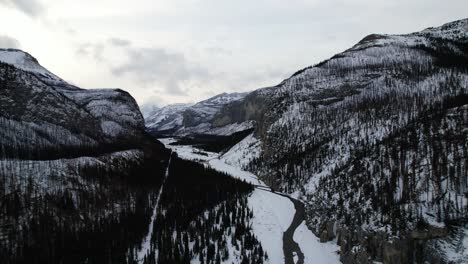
x,y
186,119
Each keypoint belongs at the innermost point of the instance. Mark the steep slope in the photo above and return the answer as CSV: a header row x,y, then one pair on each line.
x,y
185,119
41,111
148,109
77,169
356,136
166,119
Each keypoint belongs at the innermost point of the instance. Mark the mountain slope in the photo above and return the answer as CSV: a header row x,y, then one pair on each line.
x,y
186,119
355,136
45,111
168,118
81,181
77,169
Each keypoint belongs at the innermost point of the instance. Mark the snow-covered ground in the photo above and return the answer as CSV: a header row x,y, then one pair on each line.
x,y
188,152
213,160
454,247
314,251
25,62
243,153
273,213
220,165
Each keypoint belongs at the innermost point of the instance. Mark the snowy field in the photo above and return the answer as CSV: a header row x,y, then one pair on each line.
x,y
273,213
272,216
214,160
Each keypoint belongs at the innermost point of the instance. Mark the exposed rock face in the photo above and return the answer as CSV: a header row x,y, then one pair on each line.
x,y
430,232
252,107
326,231
360,246
397,252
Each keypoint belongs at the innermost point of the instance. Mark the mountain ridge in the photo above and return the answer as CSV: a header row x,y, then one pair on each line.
x,y
93,105
356,137
73,163
186,119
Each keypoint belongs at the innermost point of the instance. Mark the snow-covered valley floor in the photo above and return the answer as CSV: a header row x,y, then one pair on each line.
x,y
273,212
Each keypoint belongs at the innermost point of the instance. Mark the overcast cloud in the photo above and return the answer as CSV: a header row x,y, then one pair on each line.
x,y
7,42
186,50
30,7
159,67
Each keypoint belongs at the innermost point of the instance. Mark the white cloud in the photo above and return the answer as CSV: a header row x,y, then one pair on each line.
x,y
32,8
8,42
160,67
119,42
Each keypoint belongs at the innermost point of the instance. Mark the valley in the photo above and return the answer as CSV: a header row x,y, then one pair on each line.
x,y
361,158
277,216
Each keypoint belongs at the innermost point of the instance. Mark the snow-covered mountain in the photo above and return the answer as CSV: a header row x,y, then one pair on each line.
x,y
375,139
69,155
43,106
185,119
80,178
166,118
81,181
148,109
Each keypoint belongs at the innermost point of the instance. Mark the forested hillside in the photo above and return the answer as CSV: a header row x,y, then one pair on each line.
x,y
203,217
80,181
375,139
74,182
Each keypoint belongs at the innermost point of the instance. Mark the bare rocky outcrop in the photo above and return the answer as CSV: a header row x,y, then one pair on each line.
x,y
359,246
253,107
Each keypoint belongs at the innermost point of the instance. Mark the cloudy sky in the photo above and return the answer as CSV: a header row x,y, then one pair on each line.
x,y
167,51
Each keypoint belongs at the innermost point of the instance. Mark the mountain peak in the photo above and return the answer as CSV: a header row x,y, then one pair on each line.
x,y
25,61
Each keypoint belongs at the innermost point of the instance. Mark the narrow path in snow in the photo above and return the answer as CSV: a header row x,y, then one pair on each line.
x,y
145,245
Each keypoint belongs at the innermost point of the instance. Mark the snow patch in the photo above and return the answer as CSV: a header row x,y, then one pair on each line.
x,y
314,251
243,153
272,215
25,62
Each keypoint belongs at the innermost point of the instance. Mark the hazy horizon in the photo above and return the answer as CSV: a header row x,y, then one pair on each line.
x,y
183,51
